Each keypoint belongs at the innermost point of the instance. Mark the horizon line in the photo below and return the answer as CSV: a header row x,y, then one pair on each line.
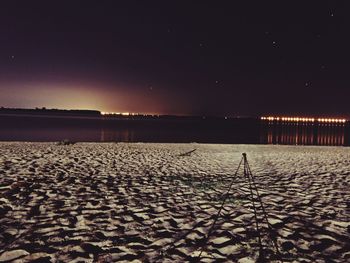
x,y
277,117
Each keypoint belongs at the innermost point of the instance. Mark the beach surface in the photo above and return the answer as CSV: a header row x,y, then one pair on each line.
x,y
143,202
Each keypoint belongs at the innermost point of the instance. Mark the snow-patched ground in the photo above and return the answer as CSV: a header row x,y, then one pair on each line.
x,y
148,203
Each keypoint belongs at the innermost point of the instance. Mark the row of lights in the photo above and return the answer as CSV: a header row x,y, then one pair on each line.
x,y
298,119
117,113
288,119
332,120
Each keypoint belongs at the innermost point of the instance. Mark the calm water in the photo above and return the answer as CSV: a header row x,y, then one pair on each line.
x,y
243,131
293,133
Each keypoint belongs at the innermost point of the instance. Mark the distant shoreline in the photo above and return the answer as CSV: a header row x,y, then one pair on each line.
x,y
57,113
50,112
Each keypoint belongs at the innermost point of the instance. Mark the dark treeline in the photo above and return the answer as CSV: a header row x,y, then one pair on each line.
x,y
44,111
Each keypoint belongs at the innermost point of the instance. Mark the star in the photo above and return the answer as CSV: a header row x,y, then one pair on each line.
x,y
12,57
306,84
216,81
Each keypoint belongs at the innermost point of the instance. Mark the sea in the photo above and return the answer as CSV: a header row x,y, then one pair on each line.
x,y
43,128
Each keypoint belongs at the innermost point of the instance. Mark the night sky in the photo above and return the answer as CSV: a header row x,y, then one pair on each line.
x,y
177,57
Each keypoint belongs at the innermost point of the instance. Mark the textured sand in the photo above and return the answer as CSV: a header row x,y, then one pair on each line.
x,y
146,203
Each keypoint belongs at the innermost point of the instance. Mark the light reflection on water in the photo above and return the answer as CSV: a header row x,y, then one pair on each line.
x,y
331,134
110,135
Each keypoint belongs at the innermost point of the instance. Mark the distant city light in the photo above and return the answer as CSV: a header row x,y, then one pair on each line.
x,y
303,119
117,113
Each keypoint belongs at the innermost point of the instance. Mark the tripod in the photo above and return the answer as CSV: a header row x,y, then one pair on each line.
x,y
260,214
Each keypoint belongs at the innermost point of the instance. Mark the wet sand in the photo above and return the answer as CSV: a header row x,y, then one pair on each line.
x,y
137,202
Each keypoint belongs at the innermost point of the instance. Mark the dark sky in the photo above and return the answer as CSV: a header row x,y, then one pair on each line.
x,y
177,57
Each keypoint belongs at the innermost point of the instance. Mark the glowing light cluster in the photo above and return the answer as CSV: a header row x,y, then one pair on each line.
x,y
270,118
332,120
117,113
303,119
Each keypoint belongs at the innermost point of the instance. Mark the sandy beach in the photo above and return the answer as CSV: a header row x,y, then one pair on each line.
x,y
140,202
